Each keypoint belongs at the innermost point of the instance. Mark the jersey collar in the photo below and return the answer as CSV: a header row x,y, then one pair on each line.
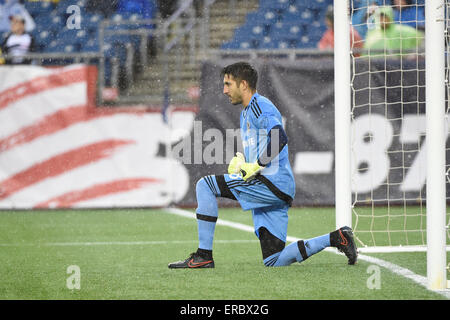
x,y
256,95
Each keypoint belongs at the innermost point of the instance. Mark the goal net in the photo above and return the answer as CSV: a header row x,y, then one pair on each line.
x,y
388,128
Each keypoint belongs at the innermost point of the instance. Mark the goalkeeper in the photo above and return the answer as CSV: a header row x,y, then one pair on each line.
x,y
261,180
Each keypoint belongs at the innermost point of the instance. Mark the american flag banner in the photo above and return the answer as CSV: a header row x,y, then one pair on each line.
x,y
57,150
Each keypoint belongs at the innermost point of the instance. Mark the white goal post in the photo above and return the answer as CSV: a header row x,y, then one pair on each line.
x,y
342,102
435,135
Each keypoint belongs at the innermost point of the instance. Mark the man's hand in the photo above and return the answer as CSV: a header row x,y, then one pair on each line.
x,y
249,170
235,164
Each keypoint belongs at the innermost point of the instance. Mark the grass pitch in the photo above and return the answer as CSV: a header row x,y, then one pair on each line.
x,y
123,254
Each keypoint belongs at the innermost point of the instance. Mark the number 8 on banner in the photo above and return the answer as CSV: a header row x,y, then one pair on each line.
x,y
371,137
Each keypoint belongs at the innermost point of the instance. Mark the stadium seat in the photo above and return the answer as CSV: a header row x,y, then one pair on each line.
x,y
39,8
125,22
291,17
81,37
284,31
282,24
294,33
315,31
267,17
307,17
116,39
305,42
239,44
265,42
54,23
288,34
91,45
42,39
304,16
91,22
66,35
247,36
62,6
135,17
271,45
56,46
275,44
232,44
278,5
314,4
250,31
293,9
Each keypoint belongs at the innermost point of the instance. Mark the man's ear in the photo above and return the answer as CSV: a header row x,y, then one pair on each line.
x,y
243,85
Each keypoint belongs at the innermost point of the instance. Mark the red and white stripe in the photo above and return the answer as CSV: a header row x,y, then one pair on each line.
x,y
57,152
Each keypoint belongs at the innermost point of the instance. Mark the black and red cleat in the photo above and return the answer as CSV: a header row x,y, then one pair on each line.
x,y
343,240
193,261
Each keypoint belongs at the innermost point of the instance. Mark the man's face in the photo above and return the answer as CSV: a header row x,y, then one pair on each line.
x,y
232,90
385,22
17,26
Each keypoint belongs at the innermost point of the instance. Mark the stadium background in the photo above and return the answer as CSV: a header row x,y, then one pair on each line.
x,y
88,125
145,64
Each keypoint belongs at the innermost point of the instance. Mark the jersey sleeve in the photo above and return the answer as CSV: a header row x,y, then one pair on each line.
x,y
268,120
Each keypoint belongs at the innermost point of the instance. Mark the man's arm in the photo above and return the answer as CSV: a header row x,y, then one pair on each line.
x,y
276,134
250,170
3,44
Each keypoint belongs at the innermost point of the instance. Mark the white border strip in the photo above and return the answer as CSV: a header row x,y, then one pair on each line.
x,y
388,249
385,264
111,243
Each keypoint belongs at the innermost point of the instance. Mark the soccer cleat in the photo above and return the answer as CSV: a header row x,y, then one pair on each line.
x,y
344,242
193,261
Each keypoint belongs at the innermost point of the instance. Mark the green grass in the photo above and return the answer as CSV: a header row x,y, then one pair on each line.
x,y
36,247
385,226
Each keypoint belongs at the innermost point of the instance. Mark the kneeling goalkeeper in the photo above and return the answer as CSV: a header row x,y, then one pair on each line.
x,y
261,180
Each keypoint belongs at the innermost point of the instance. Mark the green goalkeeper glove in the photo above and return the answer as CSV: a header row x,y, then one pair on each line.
x,y
235,164
249,170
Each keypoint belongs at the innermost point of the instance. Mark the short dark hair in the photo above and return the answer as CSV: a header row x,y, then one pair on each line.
x,y
242,71
330,14
17,17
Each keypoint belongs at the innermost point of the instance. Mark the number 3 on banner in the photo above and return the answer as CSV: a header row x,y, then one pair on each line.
x,y
371,137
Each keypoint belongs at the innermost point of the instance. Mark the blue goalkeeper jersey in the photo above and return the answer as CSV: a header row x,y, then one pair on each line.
x,y
256,121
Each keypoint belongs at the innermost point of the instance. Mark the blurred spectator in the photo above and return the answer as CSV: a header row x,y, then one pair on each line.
x,y
18,42
146,8
105,8
389,35
2,60
407,13
327,40
11,8
362,18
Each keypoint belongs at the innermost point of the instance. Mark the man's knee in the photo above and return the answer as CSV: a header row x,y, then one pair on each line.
x,y
225,192
270,245
207,183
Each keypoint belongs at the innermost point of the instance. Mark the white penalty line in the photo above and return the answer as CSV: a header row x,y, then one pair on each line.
x,y
396,249
112,243
396,269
